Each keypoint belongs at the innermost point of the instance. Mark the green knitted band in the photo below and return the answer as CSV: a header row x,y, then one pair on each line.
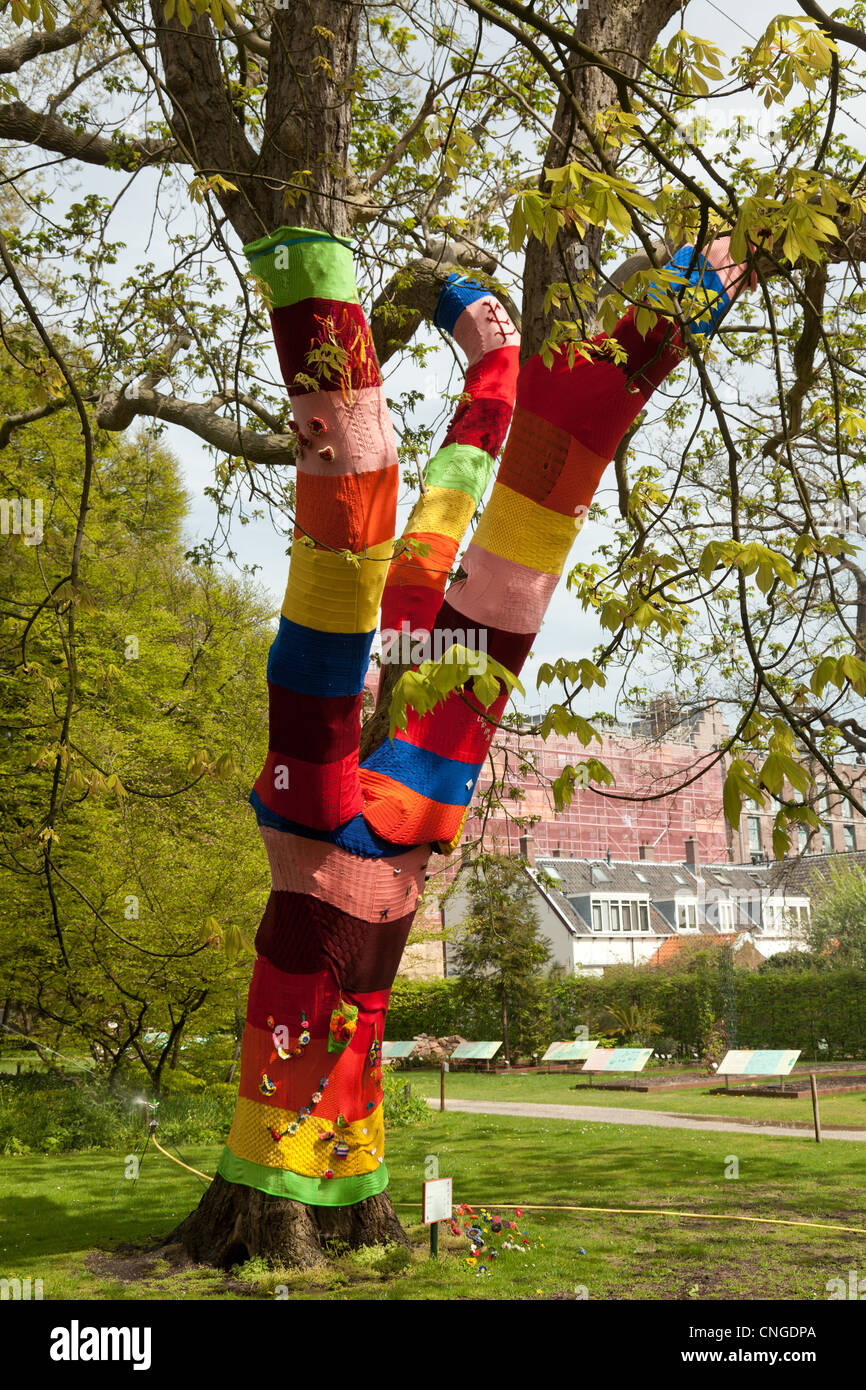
x,y
462,466
298,263
313,1192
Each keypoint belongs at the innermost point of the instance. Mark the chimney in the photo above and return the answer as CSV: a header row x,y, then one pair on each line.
x,y
527,848
692,859
647,853
465,852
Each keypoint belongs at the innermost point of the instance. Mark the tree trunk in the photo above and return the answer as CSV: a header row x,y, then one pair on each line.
x,y
505,1028
233,1224
624,33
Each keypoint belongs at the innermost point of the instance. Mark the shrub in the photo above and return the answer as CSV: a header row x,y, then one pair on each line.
x,y
401,1106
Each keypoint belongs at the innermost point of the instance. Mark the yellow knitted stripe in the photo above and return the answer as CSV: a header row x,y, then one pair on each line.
x,y
331,592
444,510
250,1138
520,530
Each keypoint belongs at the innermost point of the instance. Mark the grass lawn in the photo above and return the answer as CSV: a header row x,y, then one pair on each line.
x,y
845,1110
58,1210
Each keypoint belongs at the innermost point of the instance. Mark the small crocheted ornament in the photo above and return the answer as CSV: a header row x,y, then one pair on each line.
x,y
344,1021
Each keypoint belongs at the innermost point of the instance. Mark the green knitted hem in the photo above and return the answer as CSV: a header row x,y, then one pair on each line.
x,y
313,1192
463,466
299,263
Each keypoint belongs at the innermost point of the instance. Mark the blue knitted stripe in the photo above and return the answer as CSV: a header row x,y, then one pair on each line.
x,y
704,275
455,294
319,663
355,837
446,780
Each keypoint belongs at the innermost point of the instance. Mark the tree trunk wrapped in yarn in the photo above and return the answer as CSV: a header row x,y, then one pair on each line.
x,y
348,840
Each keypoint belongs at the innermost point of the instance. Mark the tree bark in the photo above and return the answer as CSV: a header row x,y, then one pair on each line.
x,y
233,1224
625,32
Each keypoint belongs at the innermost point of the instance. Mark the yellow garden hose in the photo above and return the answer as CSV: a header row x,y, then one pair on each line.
x,y
178,1161
648,1211
605,1211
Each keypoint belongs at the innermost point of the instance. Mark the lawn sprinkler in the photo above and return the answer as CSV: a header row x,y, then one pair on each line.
x,y
151,1125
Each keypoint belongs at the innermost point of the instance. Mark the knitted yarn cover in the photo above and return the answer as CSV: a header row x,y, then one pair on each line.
x,y
348,845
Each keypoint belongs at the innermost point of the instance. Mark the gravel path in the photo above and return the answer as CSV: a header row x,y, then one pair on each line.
x,y
659,1119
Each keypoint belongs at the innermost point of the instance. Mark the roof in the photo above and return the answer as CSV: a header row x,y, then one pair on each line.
x,y
807,874
577,924
747,954
659,881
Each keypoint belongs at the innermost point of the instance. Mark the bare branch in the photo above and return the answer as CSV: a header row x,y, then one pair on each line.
x,y
27,417
48,132
117,410
31,46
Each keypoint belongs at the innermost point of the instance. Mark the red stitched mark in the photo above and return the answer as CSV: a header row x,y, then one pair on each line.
x,y
504,326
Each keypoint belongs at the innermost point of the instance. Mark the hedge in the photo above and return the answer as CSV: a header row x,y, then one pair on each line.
x,y
789,1009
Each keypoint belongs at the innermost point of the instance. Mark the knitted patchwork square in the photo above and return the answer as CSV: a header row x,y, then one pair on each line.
x,y
314,662
347,511
322,729
412,607
321,795
482,422
406,816
335,593
297,263
443,511
430,570
484,327
461,466
373,890
515,528
304,934
328,341
357,435
498,592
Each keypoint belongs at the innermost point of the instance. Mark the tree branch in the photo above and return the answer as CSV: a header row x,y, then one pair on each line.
x,y
845,33
117,410
48,132
31,46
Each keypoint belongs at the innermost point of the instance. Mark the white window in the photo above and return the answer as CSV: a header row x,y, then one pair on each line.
x,y
848,832
726,915
687,916
620,914
795,916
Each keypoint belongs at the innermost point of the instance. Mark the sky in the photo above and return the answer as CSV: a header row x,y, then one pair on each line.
x,y
567,630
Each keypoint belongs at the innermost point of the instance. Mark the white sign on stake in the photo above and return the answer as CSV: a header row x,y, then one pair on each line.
x,y
438,1201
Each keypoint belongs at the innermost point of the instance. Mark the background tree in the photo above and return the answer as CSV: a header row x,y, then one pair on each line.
x,y
499,947
837,930
129,876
